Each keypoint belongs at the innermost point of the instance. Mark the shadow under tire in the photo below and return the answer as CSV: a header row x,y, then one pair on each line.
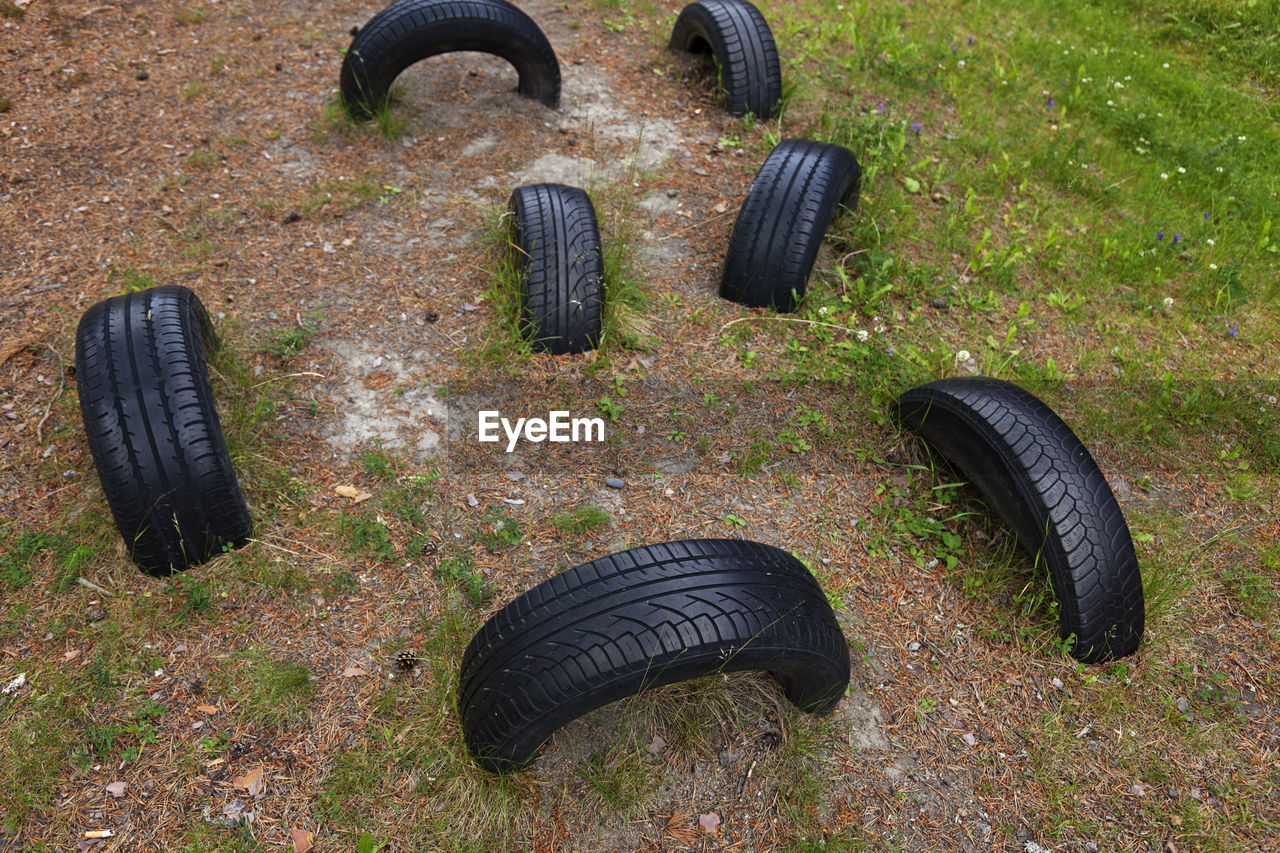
x,y
740,38
153,428
555,246
408,31
641,619
1043,483
783,219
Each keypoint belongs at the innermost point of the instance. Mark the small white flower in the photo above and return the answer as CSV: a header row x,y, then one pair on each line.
x,y
1166,65
962,355
822,310
1181,171
1128,76
863,334
1213,266
1164,176
960,63
1168,302
1219,168
1119,85
1111,103
1210,241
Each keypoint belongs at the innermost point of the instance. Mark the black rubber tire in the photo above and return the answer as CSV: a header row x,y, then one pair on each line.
x,y
408,31
740,38
1043,483
153,428
555,246
783,219
642,619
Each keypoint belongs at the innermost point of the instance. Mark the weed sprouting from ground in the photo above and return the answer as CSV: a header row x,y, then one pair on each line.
x,y
269,689
580,520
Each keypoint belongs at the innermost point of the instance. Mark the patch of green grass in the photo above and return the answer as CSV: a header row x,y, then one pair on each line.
x,y
1254,589
412,741
581,520
379,463
190,15
459,569
20,553
131,736
289,342
130,280
747,462
341,196
499,530
367,537
618,781
275,691
202,159
194,596
12,10
389,121
191,91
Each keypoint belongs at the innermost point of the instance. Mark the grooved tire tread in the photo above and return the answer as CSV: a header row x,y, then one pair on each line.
x,y
556,246
783,219
743,44
1045,485
641,619
153,428
408,31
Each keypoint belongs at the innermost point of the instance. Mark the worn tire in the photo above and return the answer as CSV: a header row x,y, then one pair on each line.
x,y
740,38
1043,483
783,219
642,619
153,428
555,246
408,31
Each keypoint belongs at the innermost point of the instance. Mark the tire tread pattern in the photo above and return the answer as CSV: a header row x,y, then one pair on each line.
x,y
783,219
557,249
743,44
408,31
1042,481
641,619
153,428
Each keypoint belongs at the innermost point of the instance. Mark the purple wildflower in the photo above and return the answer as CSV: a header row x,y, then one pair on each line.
x,y
1175,239
953,50
1051,102
970,41
1159,236
915,125
1206,217
1234,330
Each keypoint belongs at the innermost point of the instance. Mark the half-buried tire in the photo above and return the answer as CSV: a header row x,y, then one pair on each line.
x,y
740,38
642,619
555,244
1043,483
153,428
412,30
783,219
